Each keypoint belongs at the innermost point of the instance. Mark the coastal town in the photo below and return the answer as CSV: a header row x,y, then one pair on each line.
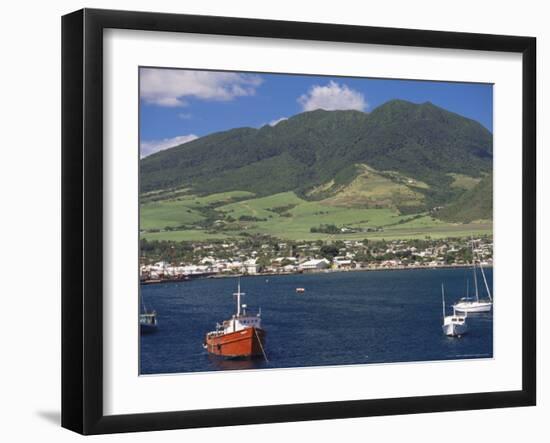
x,y
179,261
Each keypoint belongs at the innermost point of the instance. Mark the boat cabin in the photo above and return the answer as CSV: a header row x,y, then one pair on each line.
x,y
238,323
149,318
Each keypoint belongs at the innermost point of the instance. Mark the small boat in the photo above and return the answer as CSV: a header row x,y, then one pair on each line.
x,y
240,336
470,305
453,325
300,290
150,281
147,320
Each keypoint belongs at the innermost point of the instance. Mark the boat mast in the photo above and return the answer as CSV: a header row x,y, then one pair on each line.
x,y
485,280
238,294
142,303
443,299
474,269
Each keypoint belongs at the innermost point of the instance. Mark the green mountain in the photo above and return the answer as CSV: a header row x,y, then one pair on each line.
x,y
321,154
474,204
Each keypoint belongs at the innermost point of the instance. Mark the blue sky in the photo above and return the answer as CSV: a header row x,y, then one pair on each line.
x,y
178,105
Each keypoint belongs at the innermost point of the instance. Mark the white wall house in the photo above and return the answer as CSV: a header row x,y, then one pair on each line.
x,y
251,266
342,262
314,265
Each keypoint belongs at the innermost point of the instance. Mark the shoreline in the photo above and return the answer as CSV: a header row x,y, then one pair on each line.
x,y
323,271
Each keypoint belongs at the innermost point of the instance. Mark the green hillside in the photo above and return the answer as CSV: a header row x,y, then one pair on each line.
x,y
381,174
421,141
374,189
286,216
474,204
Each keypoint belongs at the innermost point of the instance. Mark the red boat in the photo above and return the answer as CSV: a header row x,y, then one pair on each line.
x,y
240,336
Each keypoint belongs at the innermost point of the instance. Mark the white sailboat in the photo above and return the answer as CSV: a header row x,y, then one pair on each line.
x,y
469,305
147,319
453,325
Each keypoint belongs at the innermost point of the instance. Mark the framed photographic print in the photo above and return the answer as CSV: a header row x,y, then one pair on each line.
x,y
270,221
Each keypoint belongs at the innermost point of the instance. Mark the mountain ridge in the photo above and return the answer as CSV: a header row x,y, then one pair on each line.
x,y
420,141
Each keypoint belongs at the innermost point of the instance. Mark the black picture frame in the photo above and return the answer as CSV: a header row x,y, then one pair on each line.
x,y
82,218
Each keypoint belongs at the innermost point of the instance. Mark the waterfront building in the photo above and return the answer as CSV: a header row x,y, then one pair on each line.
x,y
314,265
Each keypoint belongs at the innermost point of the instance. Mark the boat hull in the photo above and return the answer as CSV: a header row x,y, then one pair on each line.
x,y
148,322
454,329
472,307
145,328
247,342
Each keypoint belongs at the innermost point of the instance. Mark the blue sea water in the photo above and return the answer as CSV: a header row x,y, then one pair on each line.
x,y
342,318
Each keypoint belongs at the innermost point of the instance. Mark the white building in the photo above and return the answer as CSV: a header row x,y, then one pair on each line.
x,y
314,265
342,262
251,266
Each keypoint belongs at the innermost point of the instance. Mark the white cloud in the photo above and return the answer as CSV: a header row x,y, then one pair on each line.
x,y
171,87
151,146
277,120
185,115
331,97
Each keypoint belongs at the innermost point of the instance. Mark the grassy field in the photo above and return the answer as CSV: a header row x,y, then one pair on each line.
x,y
264,207
372,188
168,213
285,216
464,181
439,230
298,216
184,210
222,197
187,235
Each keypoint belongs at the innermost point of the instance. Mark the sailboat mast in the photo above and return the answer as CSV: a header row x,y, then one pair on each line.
x,y
485,281
142,303
474,269
443,299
